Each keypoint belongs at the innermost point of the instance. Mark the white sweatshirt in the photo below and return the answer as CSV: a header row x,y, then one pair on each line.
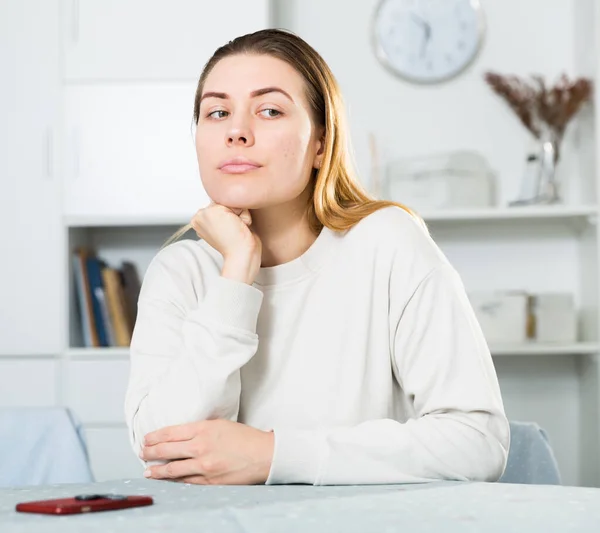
x,y
363,356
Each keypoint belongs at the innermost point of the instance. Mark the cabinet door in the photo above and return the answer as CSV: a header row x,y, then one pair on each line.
x,y
130,151
151,39
31,307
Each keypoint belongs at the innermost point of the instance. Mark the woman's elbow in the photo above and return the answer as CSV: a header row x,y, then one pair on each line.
x,y
483,446
493,454
494,464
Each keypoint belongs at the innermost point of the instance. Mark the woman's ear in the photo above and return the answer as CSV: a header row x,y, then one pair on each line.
x,y
320,149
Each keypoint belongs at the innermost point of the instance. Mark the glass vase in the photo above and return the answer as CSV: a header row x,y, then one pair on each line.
x,y
539,184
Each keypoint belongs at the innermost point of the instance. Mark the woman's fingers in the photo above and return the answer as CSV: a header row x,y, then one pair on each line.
x,y
167,451
244,214
174,470
246,217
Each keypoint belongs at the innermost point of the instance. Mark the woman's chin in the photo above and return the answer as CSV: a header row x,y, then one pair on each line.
x,y
237,201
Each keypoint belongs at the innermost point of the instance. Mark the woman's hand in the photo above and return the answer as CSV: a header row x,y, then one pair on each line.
x,y
216,452
228,231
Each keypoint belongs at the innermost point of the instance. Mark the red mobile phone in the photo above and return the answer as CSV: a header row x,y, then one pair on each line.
x,y
84,503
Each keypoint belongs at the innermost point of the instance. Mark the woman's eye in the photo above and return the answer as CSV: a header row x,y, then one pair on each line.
x,y
219,113
270,113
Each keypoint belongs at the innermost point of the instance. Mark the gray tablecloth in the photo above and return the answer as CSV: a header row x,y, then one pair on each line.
x,y
436,507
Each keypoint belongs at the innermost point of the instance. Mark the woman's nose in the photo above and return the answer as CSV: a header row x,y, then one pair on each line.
x,y
240,134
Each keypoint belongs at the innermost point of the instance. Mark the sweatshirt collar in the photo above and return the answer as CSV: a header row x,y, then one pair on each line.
x,y
310,261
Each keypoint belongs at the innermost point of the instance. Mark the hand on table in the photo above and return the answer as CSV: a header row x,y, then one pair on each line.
x,y
217,452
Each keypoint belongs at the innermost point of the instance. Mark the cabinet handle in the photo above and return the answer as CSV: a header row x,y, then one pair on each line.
x,y
49,153
75,21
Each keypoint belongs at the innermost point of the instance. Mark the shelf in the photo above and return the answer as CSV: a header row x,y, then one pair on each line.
x,y
26,357
97,353
578,348
545,212
124,221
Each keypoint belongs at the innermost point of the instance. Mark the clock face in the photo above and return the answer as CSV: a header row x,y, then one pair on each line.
x,y
427,41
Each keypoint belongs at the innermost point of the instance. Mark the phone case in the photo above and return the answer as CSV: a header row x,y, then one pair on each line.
x,y
87,503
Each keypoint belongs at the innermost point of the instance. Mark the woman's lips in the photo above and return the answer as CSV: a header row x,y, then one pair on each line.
x,y
238,168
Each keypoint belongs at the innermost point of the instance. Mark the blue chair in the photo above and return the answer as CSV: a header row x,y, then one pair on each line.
x,y
530,457
40,446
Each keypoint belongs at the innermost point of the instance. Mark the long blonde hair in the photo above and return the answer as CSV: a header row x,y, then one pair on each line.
x,y
338,200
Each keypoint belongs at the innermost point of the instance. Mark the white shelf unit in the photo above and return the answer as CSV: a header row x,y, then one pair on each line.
x,y
113,91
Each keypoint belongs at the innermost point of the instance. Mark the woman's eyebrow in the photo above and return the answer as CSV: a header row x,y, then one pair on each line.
x,y
222,96
266,90
253,94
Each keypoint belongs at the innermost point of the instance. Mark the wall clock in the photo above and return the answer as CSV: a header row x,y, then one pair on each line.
x,y
427,41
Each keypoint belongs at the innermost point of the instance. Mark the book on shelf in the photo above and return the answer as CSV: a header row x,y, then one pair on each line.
x,y
106,299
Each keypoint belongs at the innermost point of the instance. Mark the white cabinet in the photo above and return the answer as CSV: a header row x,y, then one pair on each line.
x,y
151,39
31,269
129,147
129,150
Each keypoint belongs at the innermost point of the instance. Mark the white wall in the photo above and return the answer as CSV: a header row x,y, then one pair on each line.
x,y
522,37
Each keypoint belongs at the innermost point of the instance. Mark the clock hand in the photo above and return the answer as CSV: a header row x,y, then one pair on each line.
x,y
418,20
426,31
427,38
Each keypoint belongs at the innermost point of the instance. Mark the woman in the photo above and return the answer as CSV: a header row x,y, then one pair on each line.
x,y
313,334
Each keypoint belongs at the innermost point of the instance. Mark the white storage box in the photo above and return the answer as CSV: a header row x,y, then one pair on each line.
x,y
501,315
447,181
555,317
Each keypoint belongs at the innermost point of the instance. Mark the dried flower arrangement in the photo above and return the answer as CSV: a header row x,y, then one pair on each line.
x,y
541,108
545,111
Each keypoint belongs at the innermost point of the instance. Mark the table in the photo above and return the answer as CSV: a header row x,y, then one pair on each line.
x,y
433,507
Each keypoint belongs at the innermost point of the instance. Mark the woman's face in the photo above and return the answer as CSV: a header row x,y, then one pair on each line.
x,y
255,138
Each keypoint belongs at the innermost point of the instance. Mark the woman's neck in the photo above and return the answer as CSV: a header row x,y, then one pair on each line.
x,y
284,231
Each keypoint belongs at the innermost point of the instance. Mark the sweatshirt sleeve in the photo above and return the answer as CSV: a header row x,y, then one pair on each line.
x,y
185,359
443,365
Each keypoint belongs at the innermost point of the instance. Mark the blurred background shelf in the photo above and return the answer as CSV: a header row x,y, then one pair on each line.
x,y
579,348
97,353
81,221
524,213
